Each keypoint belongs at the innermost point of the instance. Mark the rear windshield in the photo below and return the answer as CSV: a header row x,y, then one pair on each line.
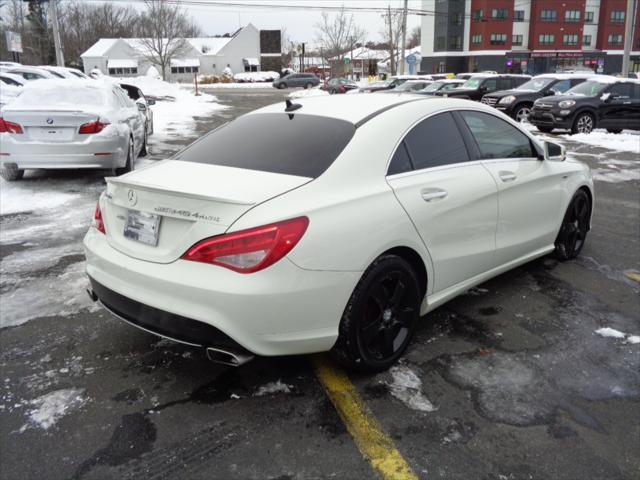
x,y
304,145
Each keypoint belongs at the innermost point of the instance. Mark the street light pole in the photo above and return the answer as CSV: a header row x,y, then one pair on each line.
x,y
404,35
628,38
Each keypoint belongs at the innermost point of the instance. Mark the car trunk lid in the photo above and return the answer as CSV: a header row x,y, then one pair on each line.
x,y
50,125
192,201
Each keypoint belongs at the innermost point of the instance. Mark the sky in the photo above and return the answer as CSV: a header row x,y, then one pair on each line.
x,y
299,23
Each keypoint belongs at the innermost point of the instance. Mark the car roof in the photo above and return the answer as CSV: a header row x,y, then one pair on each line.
x,y
566,76
451,80
14,77
26,68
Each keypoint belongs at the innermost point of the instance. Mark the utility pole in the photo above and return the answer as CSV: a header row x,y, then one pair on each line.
x,y
56,33
628,38
404,35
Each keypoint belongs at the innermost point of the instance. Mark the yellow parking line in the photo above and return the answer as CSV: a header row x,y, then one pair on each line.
x,y
374,444
635,276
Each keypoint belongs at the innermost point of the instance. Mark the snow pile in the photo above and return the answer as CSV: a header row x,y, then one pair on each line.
x,y
627,141
609,332
51,407
407,387
256,76
273,387
13,200
8,93
309,92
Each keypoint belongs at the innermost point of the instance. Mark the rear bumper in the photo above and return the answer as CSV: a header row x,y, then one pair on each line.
x,y
61,161
281,310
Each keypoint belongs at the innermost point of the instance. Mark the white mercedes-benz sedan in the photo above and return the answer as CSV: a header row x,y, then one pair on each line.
x,y
331,224
70,124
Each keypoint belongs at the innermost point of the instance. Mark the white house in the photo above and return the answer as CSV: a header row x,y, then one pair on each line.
x,y
248,49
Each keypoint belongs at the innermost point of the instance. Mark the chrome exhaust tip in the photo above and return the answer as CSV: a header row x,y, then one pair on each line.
x,y
228,357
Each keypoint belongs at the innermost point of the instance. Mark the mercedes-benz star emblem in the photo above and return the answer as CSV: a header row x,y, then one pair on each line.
x,y
132,197
49,121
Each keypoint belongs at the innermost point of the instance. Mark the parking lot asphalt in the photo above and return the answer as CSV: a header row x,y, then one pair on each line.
x,y
509,381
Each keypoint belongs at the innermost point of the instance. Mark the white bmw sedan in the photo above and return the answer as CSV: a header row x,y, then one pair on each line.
x,y
332,224
70,124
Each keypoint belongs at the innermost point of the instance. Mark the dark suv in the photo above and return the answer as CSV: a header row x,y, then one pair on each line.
x,y
483,83
604,102
517,103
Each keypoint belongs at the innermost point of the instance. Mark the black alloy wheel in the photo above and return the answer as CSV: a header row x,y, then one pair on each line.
x,y
575,225
381,316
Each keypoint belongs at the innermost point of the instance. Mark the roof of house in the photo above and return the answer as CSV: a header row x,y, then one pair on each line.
x,y
99,48
363,53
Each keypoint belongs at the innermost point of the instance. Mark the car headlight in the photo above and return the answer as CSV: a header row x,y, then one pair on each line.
x,y
567,103
507,100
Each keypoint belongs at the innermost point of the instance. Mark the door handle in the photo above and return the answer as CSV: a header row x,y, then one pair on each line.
x,y
431,194
507,176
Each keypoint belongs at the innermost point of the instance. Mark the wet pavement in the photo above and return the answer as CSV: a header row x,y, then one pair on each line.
x,y
509,381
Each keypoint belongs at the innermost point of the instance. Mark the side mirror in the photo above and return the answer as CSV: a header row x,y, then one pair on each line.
x,y
141,107
550,92
151,101
554,152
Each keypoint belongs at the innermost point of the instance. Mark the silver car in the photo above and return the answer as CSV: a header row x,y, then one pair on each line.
x,y
70,124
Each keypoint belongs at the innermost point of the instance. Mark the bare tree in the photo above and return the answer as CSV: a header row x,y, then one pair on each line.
x,y
163,29
414,38
338,33
392,35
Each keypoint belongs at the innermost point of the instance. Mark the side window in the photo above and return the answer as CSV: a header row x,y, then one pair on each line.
x,y
490,85
436,141
496,138
400,162
621,90
505,84
561,86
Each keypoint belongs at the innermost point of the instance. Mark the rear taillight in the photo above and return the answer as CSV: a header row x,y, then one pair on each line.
x,y
250,250
9,127
97,219
92,127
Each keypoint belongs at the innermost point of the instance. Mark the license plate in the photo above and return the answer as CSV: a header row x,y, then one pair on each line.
x,y
55,134
142,227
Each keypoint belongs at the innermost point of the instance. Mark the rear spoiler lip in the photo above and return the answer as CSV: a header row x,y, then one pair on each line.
x,y
196,196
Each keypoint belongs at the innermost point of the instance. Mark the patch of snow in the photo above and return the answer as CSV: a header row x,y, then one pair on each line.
x,y
614,175
256,76
309,92
245,85
20,199
610,332
626,141
633,339
406,386
273,387
53,406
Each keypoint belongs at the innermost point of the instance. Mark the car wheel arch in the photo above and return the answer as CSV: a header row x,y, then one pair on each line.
x,y
415,260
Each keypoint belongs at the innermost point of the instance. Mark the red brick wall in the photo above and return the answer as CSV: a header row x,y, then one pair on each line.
x,y
559,28
489,26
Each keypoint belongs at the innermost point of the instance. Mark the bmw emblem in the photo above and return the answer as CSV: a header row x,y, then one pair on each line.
x,y
49,121
132,197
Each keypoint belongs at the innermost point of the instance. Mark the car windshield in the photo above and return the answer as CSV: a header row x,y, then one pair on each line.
x,y
50,95
535,84
434,87
289,144
586,89
409,86
472,83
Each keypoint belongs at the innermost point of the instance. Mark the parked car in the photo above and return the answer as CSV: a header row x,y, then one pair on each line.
x,y
392,83
32,73
64,72
410,86
483,83
306,80
634,75
600,102
143,103
428,197
340,85
70,124
4,66
12,80
517,103
441,86
10,87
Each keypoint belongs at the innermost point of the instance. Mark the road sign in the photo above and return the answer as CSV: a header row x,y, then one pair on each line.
x,y
412,59
14,41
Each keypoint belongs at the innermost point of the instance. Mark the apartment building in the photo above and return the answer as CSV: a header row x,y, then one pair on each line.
x,y
526,36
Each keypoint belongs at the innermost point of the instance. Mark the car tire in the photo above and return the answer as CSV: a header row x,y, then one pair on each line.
x,y
614,130
545,129
282,86
574,228
380,317
129,165
11,174
143,150
521,112
308,85
583,123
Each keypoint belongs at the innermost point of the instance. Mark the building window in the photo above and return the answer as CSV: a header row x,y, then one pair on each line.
x,y
572,16
570,40
498,38
478,16
250,68
518,15
588,17
476,39
123,71
617,16
615,39
184,69
455,42
516,40
546,39
440,43
499,13
456,19
586,40
548,15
